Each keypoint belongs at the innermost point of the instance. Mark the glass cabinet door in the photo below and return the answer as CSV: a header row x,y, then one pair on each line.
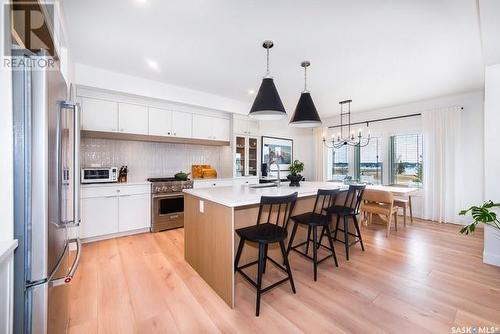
x,y
240,156
252,156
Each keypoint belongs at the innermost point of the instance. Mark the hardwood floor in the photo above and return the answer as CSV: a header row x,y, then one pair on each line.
x,y
425,278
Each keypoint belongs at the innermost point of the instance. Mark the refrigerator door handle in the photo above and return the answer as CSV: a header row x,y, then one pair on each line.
x,y
76,161
69,276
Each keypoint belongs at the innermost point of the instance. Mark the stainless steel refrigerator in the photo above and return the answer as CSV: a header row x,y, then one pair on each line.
x,y
46,196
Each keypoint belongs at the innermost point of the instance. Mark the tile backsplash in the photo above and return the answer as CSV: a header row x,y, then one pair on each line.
x,y
147,159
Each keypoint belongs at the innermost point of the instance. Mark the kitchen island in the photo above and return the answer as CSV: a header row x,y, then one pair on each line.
x,y
212,215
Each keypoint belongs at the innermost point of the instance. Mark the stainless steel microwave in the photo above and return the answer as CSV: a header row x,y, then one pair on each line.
x,y
99,174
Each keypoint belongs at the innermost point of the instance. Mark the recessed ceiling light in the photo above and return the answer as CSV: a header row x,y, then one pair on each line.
x,y
251,91
142,2
152,64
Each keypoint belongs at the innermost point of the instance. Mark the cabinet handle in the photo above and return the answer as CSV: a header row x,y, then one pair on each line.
x,y
125,195
112,196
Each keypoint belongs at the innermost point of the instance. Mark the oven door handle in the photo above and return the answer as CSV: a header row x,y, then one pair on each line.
x,y
174,195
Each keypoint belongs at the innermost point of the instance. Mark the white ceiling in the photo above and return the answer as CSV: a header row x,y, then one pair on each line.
x,y
377,52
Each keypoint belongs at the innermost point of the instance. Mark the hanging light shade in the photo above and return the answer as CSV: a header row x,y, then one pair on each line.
x,y
267,104
305,115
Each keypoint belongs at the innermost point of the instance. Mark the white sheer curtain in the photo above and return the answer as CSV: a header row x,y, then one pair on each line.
x,y
442,132
319,155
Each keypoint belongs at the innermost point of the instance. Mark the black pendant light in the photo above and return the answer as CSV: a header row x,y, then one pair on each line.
x,y
267,105
305,115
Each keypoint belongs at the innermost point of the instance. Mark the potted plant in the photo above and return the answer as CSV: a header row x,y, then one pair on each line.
x,y
483,214
295,169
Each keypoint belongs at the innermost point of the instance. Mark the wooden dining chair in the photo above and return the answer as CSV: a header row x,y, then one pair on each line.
x,y
380,202
405,204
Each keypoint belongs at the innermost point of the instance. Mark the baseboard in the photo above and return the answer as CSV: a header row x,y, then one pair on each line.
x,y
115,235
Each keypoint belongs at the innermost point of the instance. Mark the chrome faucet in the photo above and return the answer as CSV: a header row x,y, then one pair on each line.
x,y
278,183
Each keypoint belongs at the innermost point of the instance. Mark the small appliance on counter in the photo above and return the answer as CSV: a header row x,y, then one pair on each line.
x,y
122,175
99,175
203,172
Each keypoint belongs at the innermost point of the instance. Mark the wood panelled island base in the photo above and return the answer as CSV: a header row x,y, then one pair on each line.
x,y
210,240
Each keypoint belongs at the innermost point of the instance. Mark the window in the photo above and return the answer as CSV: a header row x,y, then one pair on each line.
x,y
370,162
339,163
406,160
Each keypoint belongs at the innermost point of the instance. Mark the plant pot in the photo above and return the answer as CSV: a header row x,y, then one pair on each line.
x,y
294,180
491,254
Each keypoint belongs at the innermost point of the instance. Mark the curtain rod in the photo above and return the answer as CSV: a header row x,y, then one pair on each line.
x,y
380,120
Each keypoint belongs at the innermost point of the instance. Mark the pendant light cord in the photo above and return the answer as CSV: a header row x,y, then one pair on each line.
x,y
267,69
305,79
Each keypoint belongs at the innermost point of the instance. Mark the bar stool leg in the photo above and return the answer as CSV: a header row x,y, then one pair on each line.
x,y
287,265
336,228
260,267
358,231
346,237
290,242
238,253
330,241
315,251
265,259
308,238
404,215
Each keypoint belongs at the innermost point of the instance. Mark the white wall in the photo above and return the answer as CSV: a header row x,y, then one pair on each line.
x,y
492,157
303,144
472,188
99,78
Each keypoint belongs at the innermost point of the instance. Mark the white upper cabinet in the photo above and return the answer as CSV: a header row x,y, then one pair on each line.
x,y
99,115
202,126
208,127
160,122
182,124
245,126
133,118
221,129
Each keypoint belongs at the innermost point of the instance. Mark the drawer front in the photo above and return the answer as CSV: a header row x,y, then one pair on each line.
x,y
90,192
105,191
135,189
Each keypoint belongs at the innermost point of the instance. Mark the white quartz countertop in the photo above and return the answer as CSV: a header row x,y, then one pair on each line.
x,y
241,195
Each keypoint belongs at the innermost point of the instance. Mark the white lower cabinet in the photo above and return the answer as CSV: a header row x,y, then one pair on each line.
x,y
107,210
99,216
133,209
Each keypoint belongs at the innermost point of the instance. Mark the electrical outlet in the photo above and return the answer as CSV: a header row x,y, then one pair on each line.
x,y
202,206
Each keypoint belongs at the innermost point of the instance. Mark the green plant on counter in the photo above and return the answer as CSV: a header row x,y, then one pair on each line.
x,y
481,214
296,168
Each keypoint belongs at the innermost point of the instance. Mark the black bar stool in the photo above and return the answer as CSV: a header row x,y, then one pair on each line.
x,y
318,217
349,209
266,233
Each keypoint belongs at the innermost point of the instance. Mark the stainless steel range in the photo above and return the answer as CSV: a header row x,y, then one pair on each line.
x,y
167,203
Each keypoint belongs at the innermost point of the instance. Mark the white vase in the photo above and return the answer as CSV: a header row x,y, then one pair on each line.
x,y
491,254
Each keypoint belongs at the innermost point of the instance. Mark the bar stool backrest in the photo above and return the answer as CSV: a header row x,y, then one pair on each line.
x,y
325,198
354,196
276,209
